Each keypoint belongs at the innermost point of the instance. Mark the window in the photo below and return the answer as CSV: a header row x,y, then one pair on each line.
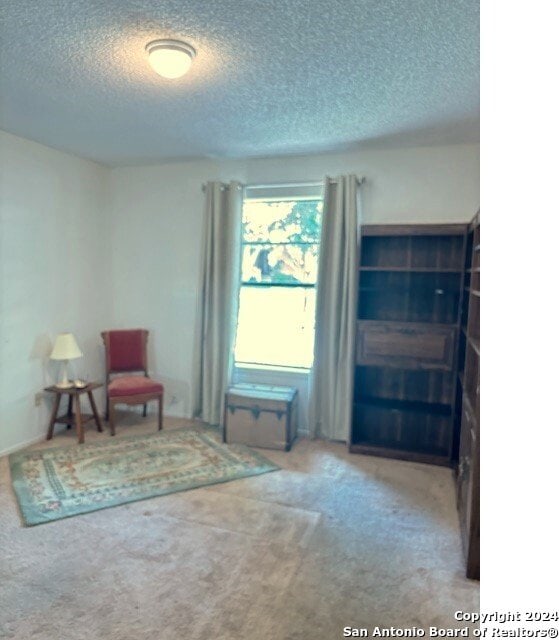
x,y
280,243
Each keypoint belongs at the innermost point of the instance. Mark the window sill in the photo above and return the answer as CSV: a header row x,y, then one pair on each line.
x,y
244,366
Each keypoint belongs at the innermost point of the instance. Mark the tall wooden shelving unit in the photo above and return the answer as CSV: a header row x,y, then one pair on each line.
x,y
411,283
468,394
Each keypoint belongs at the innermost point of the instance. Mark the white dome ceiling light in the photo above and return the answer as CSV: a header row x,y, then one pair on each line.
x,y
170,58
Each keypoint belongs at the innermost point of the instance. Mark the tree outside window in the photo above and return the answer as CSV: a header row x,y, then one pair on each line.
x,y
280,244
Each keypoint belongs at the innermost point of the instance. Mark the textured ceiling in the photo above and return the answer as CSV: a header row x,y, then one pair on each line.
x,y
271,76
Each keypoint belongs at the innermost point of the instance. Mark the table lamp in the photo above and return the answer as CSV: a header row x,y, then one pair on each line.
x,y
65,348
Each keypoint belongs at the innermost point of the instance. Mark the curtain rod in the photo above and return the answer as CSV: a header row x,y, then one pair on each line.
x,y
314,183
223,187
272,185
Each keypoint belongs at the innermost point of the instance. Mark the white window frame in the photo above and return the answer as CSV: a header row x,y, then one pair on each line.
x,y
277,192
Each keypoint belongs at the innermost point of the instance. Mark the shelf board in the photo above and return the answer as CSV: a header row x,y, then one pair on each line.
x,y
452,229
474,292
476,270
408,324
364,447
409,406
400,321
71,420
410,289
412,269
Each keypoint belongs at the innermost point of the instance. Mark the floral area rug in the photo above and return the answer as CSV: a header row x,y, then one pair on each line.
x,y
56,483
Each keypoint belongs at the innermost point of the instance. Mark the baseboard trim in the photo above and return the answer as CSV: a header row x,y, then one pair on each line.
x,y
21,445
304,433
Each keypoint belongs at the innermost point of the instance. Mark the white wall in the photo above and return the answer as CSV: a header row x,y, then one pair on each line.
x,y
157,218
84,248
156,228
424,184
54,276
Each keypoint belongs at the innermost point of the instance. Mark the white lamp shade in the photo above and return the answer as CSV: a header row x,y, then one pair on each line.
x,y
65,348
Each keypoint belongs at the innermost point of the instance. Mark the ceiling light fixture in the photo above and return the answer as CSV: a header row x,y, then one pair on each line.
x,y
170,58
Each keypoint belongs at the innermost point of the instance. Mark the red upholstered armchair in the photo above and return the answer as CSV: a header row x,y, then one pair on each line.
x,y
126,352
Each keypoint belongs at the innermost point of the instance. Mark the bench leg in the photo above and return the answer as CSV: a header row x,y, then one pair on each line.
x,y
53,416
160,412
94,410
70,401
79,422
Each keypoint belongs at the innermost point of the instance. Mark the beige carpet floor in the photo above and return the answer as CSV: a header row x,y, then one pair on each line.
x,y
331,540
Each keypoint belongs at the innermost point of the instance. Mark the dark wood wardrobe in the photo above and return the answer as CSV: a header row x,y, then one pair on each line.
x,y
467,472
415,329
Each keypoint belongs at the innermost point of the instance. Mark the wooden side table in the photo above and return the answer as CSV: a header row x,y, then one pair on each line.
x,y
79,419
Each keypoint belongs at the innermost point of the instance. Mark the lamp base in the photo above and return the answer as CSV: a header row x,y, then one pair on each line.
x,y
65,383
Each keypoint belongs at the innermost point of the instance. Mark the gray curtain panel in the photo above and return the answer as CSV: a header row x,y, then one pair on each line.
x,y
217,301
331,384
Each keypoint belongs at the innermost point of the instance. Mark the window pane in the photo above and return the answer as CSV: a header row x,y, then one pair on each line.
x,y
276,326
283,221
280,263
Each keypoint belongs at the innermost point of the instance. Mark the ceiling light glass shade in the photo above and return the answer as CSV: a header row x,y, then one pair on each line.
x,y
170,58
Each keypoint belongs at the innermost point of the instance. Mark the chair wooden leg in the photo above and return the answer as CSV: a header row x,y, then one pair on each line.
x,y
145,410
112,417
160,412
